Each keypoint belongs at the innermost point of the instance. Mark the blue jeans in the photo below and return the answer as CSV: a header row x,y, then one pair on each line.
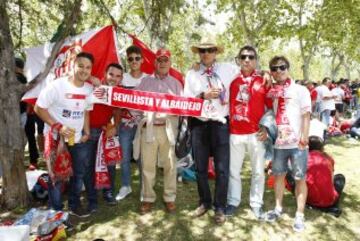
x,y
126,137
298,161
83,165
55,195
325,117
211,138
92,145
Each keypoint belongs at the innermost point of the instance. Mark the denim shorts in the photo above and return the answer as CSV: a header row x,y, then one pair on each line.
x,y
294,160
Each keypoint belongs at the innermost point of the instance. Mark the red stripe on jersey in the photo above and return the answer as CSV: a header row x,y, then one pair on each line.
x,y
75,96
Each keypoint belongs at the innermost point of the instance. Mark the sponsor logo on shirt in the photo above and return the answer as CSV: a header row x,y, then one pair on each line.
x,y
66,113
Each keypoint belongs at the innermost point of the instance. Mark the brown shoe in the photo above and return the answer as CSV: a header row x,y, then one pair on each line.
x,y
219,217
170,207
199,211
145,207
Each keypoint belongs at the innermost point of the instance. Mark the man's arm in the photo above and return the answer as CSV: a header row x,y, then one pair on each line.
x,y
305,126
44,115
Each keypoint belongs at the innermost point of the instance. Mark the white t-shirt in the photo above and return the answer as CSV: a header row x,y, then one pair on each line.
x,y
329,104
131,82
317,128
297,103
339,93
66,103
196,82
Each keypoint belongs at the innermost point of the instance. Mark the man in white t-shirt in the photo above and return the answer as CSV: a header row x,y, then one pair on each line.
x,y
211,137
339,96
292,106
326,99
66,101
129,118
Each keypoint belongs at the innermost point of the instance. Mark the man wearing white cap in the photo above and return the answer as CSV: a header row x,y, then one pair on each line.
x,y
156,134
211,137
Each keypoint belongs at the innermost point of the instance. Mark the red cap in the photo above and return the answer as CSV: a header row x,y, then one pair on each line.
x,y
163,53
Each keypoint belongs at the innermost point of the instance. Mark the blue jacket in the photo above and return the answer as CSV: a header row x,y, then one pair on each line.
x,y
268,121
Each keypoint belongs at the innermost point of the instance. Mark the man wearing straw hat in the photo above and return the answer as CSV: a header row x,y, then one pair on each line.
x,y
210,137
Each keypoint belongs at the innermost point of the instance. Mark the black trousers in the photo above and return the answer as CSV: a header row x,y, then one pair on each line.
x,y
33,119
211,138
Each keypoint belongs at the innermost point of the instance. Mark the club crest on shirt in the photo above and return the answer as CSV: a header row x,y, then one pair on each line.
x,y
66,113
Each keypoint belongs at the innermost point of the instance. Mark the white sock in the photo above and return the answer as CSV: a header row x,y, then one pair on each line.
x,y
300,215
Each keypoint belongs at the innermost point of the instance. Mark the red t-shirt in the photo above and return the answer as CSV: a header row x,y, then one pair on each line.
x,y
319,180
100,115
247,103
313,94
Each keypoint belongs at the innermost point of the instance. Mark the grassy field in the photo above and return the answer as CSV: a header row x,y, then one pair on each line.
x,y
123,222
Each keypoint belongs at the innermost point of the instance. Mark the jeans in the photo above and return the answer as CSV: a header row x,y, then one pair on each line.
x,y
325,117
92,145
126,137
211,138
298,161
83,165
55,195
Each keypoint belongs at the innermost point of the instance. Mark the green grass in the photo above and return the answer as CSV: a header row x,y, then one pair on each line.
x,y
123,221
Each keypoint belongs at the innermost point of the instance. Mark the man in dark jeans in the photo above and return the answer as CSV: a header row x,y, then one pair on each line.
x,y
209,136
31,122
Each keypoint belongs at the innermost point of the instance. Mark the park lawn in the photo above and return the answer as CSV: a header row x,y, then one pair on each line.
x,y
123,222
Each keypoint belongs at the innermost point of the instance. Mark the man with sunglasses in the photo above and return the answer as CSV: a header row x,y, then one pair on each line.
x,y
292,106
210,137
155,137
248,104
128,123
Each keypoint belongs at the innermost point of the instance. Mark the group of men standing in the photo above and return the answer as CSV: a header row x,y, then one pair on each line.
x,y
240,97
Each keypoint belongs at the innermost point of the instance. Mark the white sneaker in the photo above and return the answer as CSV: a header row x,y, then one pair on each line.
x,y
299,224
123,192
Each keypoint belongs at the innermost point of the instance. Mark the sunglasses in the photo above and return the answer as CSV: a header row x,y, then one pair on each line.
x,y
276,68
131,59
209,50
246,56
162,60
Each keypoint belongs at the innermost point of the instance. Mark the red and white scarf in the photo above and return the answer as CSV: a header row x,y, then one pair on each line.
x,y
57,154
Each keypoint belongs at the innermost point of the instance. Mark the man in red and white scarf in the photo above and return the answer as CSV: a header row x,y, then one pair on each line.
x,y
100,119
63,105
292,106
248,103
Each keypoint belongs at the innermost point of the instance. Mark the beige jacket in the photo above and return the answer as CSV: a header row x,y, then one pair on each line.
x,y
148,119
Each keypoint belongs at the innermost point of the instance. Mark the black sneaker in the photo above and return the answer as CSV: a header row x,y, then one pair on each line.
x,y
109,198
230,210
79,212
68,226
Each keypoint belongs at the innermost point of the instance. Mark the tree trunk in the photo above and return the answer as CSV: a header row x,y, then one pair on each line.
x,y
336,67
14,191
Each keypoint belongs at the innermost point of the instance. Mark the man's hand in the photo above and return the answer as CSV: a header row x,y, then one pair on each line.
x,y
110,132
84,138
262,134
303,143
95,81
267,79
212,93
67,132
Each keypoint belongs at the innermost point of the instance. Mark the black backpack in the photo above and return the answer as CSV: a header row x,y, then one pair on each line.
x,y
183,139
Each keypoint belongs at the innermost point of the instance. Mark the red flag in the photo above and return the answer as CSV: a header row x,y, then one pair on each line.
x,y
149,59
101,43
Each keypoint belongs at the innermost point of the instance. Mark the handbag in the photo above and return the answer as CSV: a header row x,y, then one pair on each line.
x,y
183,139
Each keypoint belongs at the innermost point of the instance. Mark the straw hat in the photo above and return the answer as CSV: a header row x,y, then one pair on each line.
x,y
206,43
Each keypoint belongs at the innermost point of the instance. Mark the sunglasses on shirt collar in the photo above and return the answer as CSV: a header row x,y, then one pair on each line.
x,y
208,50
276,68
131,59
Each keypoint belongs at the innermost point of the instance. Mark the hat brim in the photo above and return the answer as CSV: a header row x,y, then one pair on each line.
x,y
195,48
